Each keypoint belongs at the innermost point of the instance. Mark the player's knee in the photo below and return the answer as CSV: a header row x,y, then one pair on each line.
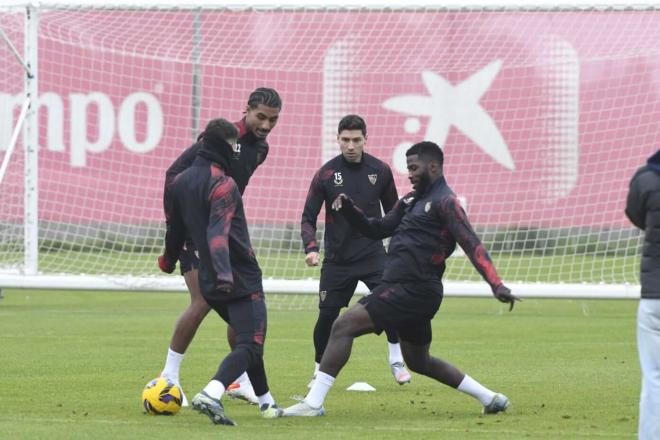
x,y
342,327
252,350
199,308
417,364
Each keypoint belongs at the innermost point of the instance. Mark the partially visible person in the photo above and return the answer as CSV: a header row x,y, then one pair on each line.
x,y
643,210
206,207
349,256
425,226
261,115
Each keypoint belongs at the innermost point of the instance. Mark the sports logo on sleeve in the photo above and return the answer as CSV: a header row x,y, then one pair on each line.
x,y
322,295
373,178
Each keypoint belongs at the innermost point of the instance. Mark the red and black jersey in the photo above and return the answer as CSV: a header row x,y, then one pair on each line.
x,y
369,183
424,231
206,204
251,152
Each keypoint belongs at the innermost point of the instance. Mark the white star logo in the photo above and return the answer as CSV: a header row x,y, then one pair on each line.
x,y
459,106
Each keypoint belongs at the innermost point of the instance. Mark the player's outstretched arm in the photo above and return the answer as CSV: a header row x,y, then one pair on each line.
x,y
462,231
375,228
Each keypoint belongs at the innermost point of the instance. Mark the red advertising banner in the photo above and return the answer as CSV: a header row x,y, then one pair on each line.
x,y
543,116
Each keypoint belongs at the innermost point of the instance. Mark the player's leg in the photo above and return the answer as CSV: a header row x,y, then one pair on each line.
x,y
336,287
191,318
353,323
208,401
241,388
648,341
415,343
248,318
189,321
395,357
249,321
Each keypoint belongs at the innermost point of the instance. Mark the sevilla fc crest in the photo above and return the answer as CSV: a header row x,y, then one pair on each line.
x,y
372,178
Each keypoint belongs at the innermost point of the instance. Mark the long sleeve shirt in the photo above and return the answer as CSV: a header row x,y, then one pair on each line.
x,y
251,152
369,183
206,205
424,231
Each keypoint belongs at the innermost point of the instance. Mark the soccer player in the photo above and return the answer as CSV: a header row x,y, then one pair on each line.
x,y
425,226
261,116
206,207
349,256
643,210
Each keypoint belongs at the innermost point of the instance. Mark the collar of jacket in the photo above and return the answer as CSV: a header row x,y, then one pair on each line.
x,y
216,150
654,162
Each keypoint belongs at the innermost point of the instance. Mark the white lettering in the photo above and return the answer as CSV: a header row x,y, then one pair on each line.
x,y
80,124
8,104
80,144
127,132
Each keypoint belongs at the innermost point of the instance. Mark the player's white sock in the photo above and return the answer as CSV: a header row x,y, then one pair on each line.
x,y
244,378
172,365
215,389
395,352
319,390
476,390
316,368
266,398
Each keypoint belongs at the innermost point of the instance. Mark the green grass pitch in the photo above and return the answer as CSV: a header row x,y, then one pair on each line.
x,y
72,365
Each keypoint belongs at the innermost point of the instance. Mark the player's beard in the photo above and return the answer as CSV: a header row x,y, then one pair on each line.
x,y
423,183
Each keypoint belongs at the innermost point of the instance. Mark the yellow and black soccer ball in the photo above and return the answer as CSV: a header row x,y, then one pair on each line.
x,y
161,396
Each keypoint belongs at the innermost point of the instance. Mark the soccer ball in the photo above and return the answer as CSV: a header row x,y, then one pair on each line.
x,y
161,396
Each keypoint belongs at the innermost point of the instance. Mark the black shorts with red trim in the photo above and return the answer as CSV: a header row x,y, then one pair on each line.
x,y
339,281
189,257
406,308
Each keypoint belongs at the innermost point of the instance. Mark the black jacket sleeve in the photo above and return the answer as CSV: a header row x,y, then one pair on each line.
x,y
636,204
175,232
374,228
449,209
222,198
310,214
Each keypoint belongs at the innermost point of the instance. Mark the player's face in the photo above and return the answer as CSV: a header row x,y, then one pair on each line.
x,y
418,173
261,120
352,144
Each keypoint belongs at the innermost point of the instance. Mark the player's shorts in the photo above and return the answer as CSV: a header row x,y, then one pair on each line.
x,y
405,308
189,257
246,315
338,281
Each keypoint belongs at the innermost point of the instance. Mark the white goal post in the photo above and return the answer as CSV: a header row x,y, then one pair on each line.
x,y
543,114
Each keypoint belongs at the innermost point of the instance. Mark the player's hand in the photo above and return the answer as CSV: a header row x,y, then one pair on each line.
x,y
503,294
312,259
339,202
165,265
